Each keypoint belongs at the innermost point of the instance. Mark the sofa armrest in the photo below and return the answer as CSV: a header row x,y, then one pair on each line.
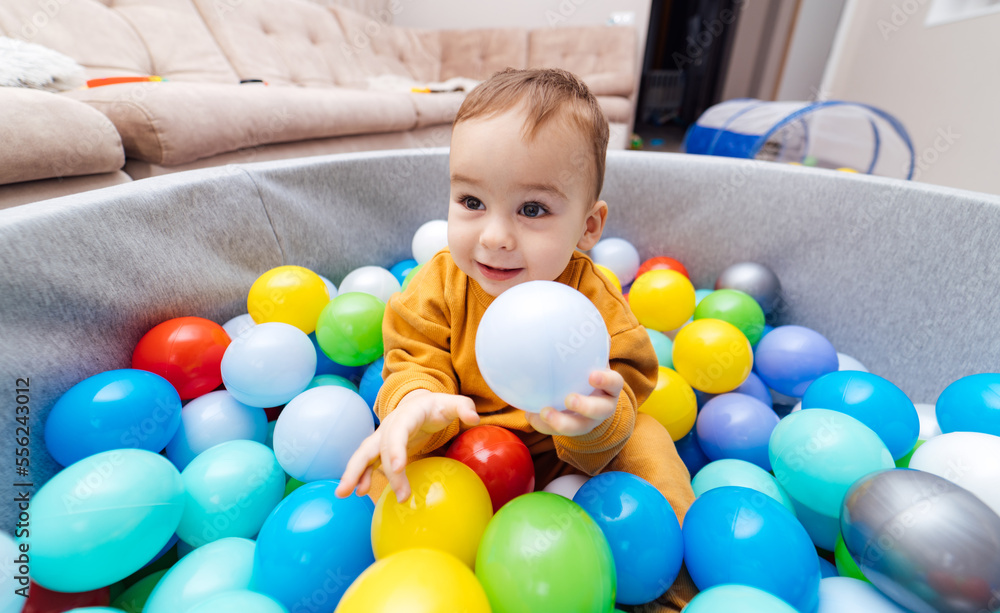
x,y
604,57
48,135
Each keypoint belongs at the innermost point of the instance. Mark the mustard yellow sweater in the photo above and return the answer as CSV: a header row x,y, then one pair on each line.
x,y
430,343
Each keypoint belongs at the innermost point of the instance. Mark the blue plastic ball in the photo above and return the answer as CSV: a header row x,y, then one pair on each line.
x,y
211,419
116,409
337,380
642,530
403,268
873,401
372,381
790,358
220,566
268,365
691,453
739,535
309,533
103,518
733,597
326,366
229,490
971,404
736,426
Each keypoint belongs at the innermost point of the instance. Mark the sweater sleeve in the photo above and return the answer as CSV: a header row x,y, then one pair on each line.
x,y
632,356
417,338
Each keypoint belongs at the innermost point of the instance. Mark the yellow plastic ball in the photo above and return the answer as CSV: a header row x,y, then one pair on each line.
x,y
448,510
610,275
672,403
712,355
289,294
418,581
846,169
662,299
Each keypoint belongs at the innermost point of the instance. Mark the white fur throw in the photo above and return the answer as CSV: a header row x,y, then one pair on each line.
x,y
24,64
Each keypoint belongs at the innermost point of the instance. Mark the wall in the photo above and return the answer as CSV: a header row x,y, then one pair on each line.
x,y
809,49
758,49
941,82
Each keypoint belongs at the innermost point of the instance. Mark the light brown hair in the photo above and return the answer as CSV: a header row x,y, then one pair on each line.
x,y
546,93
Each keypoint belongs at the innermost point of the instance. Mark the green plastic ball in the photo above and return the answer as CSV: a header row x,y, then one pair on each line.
x,y
542,552
349,330
735,307
409,277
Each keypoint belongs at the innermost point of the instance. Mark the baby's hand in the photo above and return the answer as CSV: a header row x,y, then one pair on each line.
x,y
419,414
584,412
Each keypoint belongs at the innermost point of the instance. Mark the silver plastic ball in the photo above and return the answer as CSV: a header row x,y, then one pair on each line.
x,y
927,543
755,279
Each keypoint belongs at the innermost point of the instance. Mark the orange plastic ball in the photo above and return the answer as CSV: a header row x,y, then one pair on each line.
x,y
186,351
662,299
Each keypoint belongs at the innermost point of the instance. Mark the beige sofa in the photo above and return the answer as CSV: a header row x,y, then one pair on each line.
x,y
325,68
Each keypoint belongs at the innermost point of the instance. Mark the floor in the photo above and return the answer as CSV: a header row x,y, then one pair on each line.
x,y
661,138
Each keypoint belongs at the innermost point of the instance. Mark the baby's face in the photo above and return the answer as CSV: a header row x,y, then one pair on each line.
x,y
519,207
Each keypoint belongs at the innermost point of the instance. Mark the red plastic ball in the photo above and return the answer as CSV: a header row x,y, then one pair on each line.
x,y
186,351
42,600
500,459
662,263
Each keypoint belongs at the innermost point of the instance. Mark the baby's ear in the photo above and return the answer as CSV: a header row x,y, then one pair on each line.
x,y
593,226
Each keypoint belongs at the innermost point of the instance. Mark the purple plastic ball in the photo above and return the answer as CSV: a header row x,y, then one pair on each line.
x,y
736,426
790,358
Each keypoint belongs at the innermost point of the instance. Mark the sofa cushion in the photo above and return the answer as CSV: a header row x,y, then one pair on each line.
x,y
175,123
605,57
48,135
283,42
179,43
377,48
616,108
113,38
436,109
477,54
86,30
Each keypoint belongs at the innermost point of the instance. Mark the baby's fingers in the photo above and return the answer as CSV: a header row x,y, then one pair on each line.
x,y
360,461
608,381
567,423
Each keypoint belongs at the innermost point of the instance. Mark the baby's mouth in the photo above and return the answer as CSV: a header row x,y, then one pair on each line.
x,y
497,274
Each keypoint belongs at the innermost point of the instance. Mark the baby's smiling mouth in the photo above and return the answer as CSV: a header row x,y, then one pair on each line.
x,y
496,273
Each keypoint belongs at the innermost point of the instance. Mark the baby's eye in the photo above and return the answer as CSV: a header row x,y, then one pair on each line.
x,y
533,209
473,204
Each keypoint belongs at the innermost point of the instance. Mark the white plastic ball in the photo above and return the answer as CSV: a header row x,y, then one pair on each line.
x,y
538,342
214,418
566,485
330,287
318,431
373,280
929,427
968,459
429,239
238,325
846,362
849,595
619,255
269,364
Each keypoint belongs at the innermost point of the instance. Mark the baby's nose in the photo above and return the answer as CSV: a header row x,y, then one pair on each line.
x,y
497,235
